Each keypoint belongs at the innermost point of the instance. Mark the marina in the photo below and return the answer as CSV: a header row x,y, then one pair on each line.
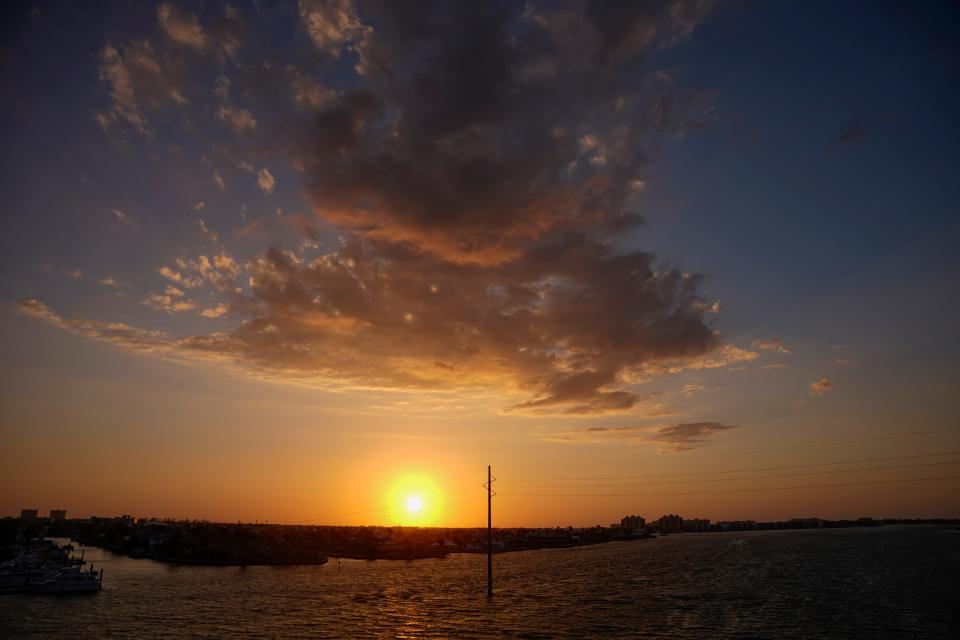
x,y
47,566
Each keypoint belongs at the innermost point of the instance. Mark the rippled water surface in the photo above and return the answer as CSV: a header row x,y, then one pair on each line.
x,y
885,582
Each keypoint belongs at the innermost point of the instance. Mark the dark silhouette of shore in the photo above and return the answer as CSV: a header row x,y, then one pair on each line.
x,y
192,542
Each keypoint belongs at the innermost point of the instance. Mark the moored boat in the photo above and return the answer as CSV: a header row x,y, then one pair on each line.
x,y
68,580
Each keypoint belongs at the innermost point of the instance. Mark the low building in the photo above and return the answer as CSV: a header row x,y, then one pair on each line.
x,y
806,523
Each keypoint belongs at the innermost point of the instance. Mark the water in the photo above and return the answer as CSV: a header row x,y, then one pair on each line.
x,y
887,582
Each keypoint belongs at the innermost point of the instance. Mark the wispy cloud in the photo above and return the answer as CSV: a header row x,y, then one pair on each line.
x,y
120,216
332,24
672,437
265,180
171,300
773,344
181,26
820,387
239,119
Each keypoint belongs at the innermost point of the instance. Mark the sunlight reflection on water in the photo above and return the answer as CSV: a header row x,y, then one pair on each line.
x,y
889,582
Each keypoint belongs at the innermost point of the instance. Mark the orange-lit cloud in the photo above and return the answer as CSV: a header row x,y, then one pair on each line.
x,y
181,26
481,171
820,387
773,344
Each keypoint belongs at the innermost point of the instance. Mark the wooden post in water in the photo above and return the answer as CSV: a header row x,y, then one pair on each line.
x,y
489,533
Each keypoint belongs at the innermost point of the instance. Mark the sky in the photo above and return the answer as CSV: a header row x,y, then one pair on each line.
x,y
304,261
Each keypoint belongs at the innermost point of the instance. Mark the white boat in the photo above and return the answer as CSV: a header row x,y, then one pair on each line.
x,y
68,580
19,578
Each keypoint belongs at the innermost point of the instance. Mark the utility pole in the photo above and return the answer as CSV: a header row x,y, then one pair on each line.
x,y
489,533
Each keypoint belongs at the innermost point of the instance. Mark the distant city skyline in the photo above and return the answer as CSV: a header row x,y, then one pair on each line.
x,y
324,261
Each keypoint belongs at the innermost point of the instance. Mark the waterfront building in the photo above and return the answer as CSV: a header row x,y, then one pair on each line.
x,y
670,523
630,524
696,524
806,523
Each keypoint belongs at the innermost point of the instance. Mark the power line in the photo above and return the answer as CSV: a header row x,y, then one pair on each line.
x,y
767,477
704,473
744,490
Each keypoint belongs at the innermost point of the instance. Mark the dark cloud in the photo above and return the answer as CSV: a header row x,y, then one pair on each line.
x,y
674,437
689,434
482,127
479,163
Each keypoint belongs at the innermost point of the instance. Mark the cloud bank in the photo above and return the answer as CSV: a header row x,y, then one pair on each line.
x,y
480,165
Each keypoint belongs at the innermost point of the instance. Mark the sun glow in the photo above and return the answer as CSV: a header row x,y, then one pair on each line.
x,y
414,500
414,504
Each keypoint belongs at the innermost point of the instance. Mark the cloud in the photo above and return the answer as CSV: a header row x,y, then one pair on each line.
x,y
199,206
773,344
467,139
218,181
116,333
309,93
820,387
568,331
140,79
114,70
37,309
265,180
690,434
211,236
120,216
240,120
480,168
331,24
171,301
214,312
220,272
672,437
692,388
181,26
109,281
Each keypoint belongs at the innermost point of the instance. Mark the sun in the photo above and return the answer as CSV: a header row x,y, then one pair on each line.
x,y
414,504
414,499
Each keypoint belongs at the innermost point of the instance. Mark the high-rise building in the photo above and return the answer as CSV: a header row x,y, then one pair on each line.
x,y
58,514
670,523
696,524
28,514
630,524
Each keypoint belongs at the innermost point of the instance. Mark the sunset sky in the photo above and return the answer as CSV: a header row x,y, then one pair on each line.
x,y
296,262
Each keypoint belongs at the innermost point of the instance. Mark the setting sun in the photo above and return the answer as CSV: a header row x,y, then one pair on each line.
x,y
414,500
414,504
